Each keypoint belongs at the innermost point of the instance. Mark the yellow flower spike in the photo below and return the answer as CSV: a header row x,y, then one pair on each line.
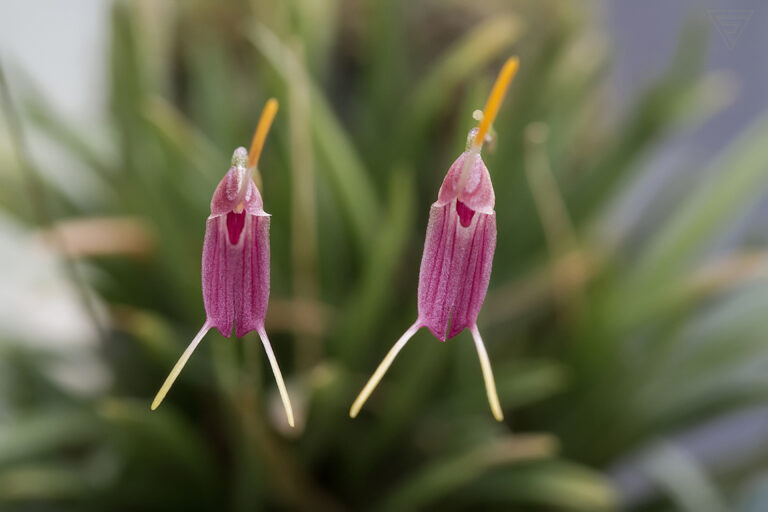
x,y
488,115
262,129
257,144
496,98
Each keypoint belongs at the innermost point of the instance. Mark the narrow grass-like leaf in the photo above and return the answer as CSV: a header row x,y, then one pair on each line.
x,y
556,484
343,166
658,110
444,477
42,483
732,181
44,432
373,295
180,135
485,43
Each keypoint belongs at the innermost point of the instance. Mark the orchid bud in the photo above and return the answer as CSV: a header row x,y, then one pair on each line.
x,y
458,252
235,267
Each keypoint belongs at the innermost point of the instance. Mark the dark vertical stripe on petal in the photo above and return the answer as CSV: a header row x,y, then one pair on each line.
x,y
252,292
474,281
217,282
465,281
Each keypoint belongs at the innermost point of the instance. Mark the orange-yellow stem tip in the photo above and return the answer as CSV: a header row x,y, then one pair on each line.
x,y
262,129
496,98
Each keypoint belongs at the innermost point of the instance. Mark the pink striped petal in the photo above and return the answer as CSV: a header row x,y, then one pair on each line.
x,y
235,269
455,268
458,251
225,195
478,190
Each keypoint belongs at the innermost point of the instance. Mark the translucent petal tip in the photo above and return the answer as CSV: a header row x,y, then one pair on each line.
x,y
278,376
179,366
490,384
240,157
381,370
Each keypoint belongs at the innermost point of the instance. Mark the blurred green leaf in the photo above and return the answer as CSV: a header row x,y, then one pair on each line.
x,y
182,137
373,294
444,477
62,132
659,109
557,483
345,169
44,432
42,483
732,181
489,41
684,479
161,433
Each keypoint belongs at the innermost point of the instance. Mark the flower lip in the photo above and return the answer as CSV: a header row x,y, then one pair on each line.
x,y
235,225
477,194
465,214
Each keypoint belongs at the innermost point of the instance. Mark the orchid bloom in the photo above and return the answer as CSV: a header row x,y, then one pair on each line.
x,y
458,252
235,268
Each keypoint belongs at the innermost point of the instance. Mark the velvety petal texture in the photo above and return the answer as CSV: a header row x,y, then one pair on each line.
x,y
478,190
458,251
235,269
455,268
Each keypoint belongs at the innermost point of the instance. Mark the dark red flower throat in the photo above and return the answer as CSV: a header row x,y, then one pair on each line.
x,y
235,223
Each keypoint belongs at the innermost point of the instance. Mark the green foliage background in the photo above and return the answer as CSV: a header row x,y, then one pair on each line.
x,y
613,350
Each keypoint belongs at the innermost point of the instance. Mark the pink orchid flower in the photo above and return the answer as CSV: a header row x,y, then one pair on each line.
x,y
235,269
458,252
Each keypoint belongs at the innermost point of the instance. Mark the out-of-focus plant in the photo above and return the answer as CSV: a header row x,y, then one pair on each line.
x,y
616,357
